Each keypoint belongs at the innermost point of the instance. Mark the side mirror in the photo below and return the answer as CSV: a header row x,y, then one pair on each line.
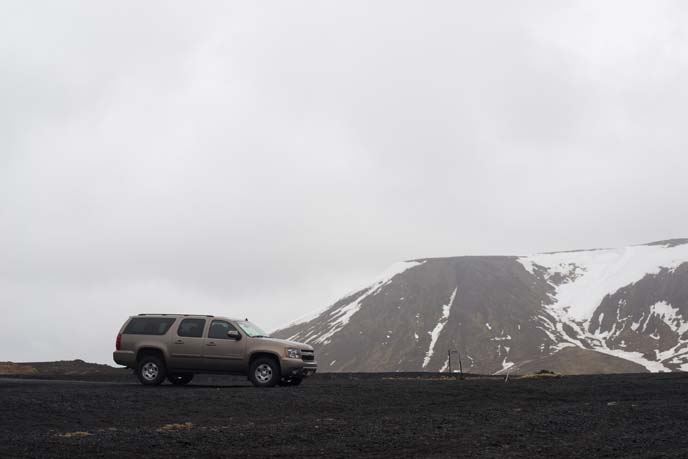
x,y
234,334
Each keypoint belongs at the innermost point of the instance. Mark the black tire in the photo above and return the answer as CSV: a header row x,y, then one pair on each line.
x,y
295,381
151,370
264,372
180,379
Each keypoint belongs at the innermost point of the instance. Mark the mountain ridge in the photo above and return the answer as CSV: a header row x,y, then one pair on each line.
x,y
501,311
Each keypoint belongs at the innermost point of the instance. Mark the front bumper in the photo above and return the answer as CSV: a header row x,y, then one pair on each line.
x,y
124,358
298,367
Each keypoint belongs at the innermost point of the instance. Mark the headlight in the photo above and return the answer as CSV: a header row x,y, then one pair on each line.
x,y
293,353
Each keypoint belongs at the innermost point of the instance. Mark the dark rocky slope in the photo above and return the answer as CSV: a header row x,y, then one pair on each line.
x,y
499,312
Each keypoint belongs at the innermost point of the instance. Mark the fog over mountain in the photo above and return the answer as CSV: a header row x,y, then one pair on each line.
x,y
260,159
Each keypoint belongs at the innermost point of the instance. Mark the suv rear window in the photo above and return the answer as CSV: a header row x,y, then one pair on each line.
x,y
193,328
148,326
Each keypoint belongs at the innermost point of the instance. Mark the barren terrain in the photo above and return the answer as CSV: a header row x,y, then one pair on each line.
x,y
345,416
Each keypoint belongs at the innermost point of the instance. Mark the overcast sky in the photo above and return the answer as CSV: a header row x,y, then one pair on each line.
x,y
262,159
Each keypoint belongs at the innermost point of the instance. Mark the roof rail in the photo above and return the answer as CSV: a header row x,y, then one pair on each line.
x,y
185,315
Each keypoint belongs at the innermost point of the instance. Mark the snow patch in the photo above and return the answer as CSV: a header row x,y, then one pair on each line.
x,y
384,278
502,338
505,363
593,274
561,346
637,357
445,367
581,281
341,316
435,333
670,316
599,321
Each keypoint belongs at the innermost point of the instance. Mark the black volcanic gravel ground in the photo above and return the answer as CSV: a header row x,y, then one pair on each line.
x,y
589,416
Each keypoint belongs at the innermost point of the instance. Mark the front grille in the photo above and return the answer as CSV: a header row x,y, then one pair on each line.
x,y
307,356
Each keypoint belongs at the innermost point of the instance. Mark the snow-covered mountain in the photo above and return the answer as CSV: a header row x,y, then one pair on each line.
x,y
622,310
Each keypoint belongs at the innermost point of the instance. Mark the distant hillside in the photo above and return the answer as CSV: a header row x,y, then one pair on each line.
x,y
59,368
575,361
630,304
11,368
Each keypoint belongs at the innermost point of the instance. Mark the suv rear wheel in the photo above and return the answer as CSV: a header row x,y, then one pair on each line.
x,y
151,370
180,379
264,372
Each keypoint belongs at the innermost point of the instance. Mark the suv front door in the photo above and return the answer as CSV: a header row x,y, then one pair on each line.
x,y
222,353
186,350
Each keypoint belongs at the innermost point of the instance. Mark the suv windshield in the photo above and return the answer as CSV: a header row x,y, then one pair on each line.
x,y
252,330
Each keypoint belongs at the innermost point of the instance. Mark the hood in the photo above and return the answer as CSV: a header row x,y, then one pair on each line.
x,y
287,343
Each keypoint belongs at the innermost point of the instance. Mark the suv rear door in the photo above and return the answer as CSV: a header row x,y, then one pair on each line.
x,y
222,353
186,347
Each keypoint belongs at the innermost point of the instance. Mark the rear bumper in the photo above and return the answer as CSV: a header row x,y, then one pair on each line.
x,y
297,367
124,358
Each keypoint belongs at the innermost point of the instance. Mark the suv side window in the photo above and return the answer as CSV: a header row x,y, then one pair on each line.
x,y
219,329
148,326
192,328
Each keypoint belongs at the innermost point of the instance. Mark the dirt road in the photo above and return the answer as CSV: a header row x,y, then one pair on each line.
x,y
590,416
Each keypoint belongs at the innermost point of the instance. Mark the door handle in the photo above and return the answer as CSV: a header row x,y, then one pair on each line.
x,y
179,342
211,344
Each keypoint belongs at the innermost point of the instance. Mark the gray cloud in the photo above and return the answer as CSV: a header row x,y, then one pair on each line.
x,y
262,160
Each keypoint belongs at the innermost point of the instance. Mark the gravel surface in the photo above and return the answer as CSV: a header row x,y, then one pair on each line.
x,y
586,416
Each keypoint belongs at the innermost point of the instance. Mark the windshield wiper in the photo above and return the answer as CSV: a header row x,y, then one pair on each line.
x,y
260,336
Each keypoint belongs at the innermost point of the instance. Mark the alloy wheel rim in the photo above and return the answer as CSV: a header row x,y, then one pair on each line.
x,y
150,371
263,373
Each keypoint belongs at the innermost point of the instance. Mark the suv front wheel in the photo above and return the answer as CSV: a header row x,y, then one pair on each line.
x,y
151,370
264,372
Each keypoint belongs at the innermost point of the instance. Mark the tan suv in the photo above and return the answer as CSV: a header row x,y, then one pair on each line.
x,y
178,346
